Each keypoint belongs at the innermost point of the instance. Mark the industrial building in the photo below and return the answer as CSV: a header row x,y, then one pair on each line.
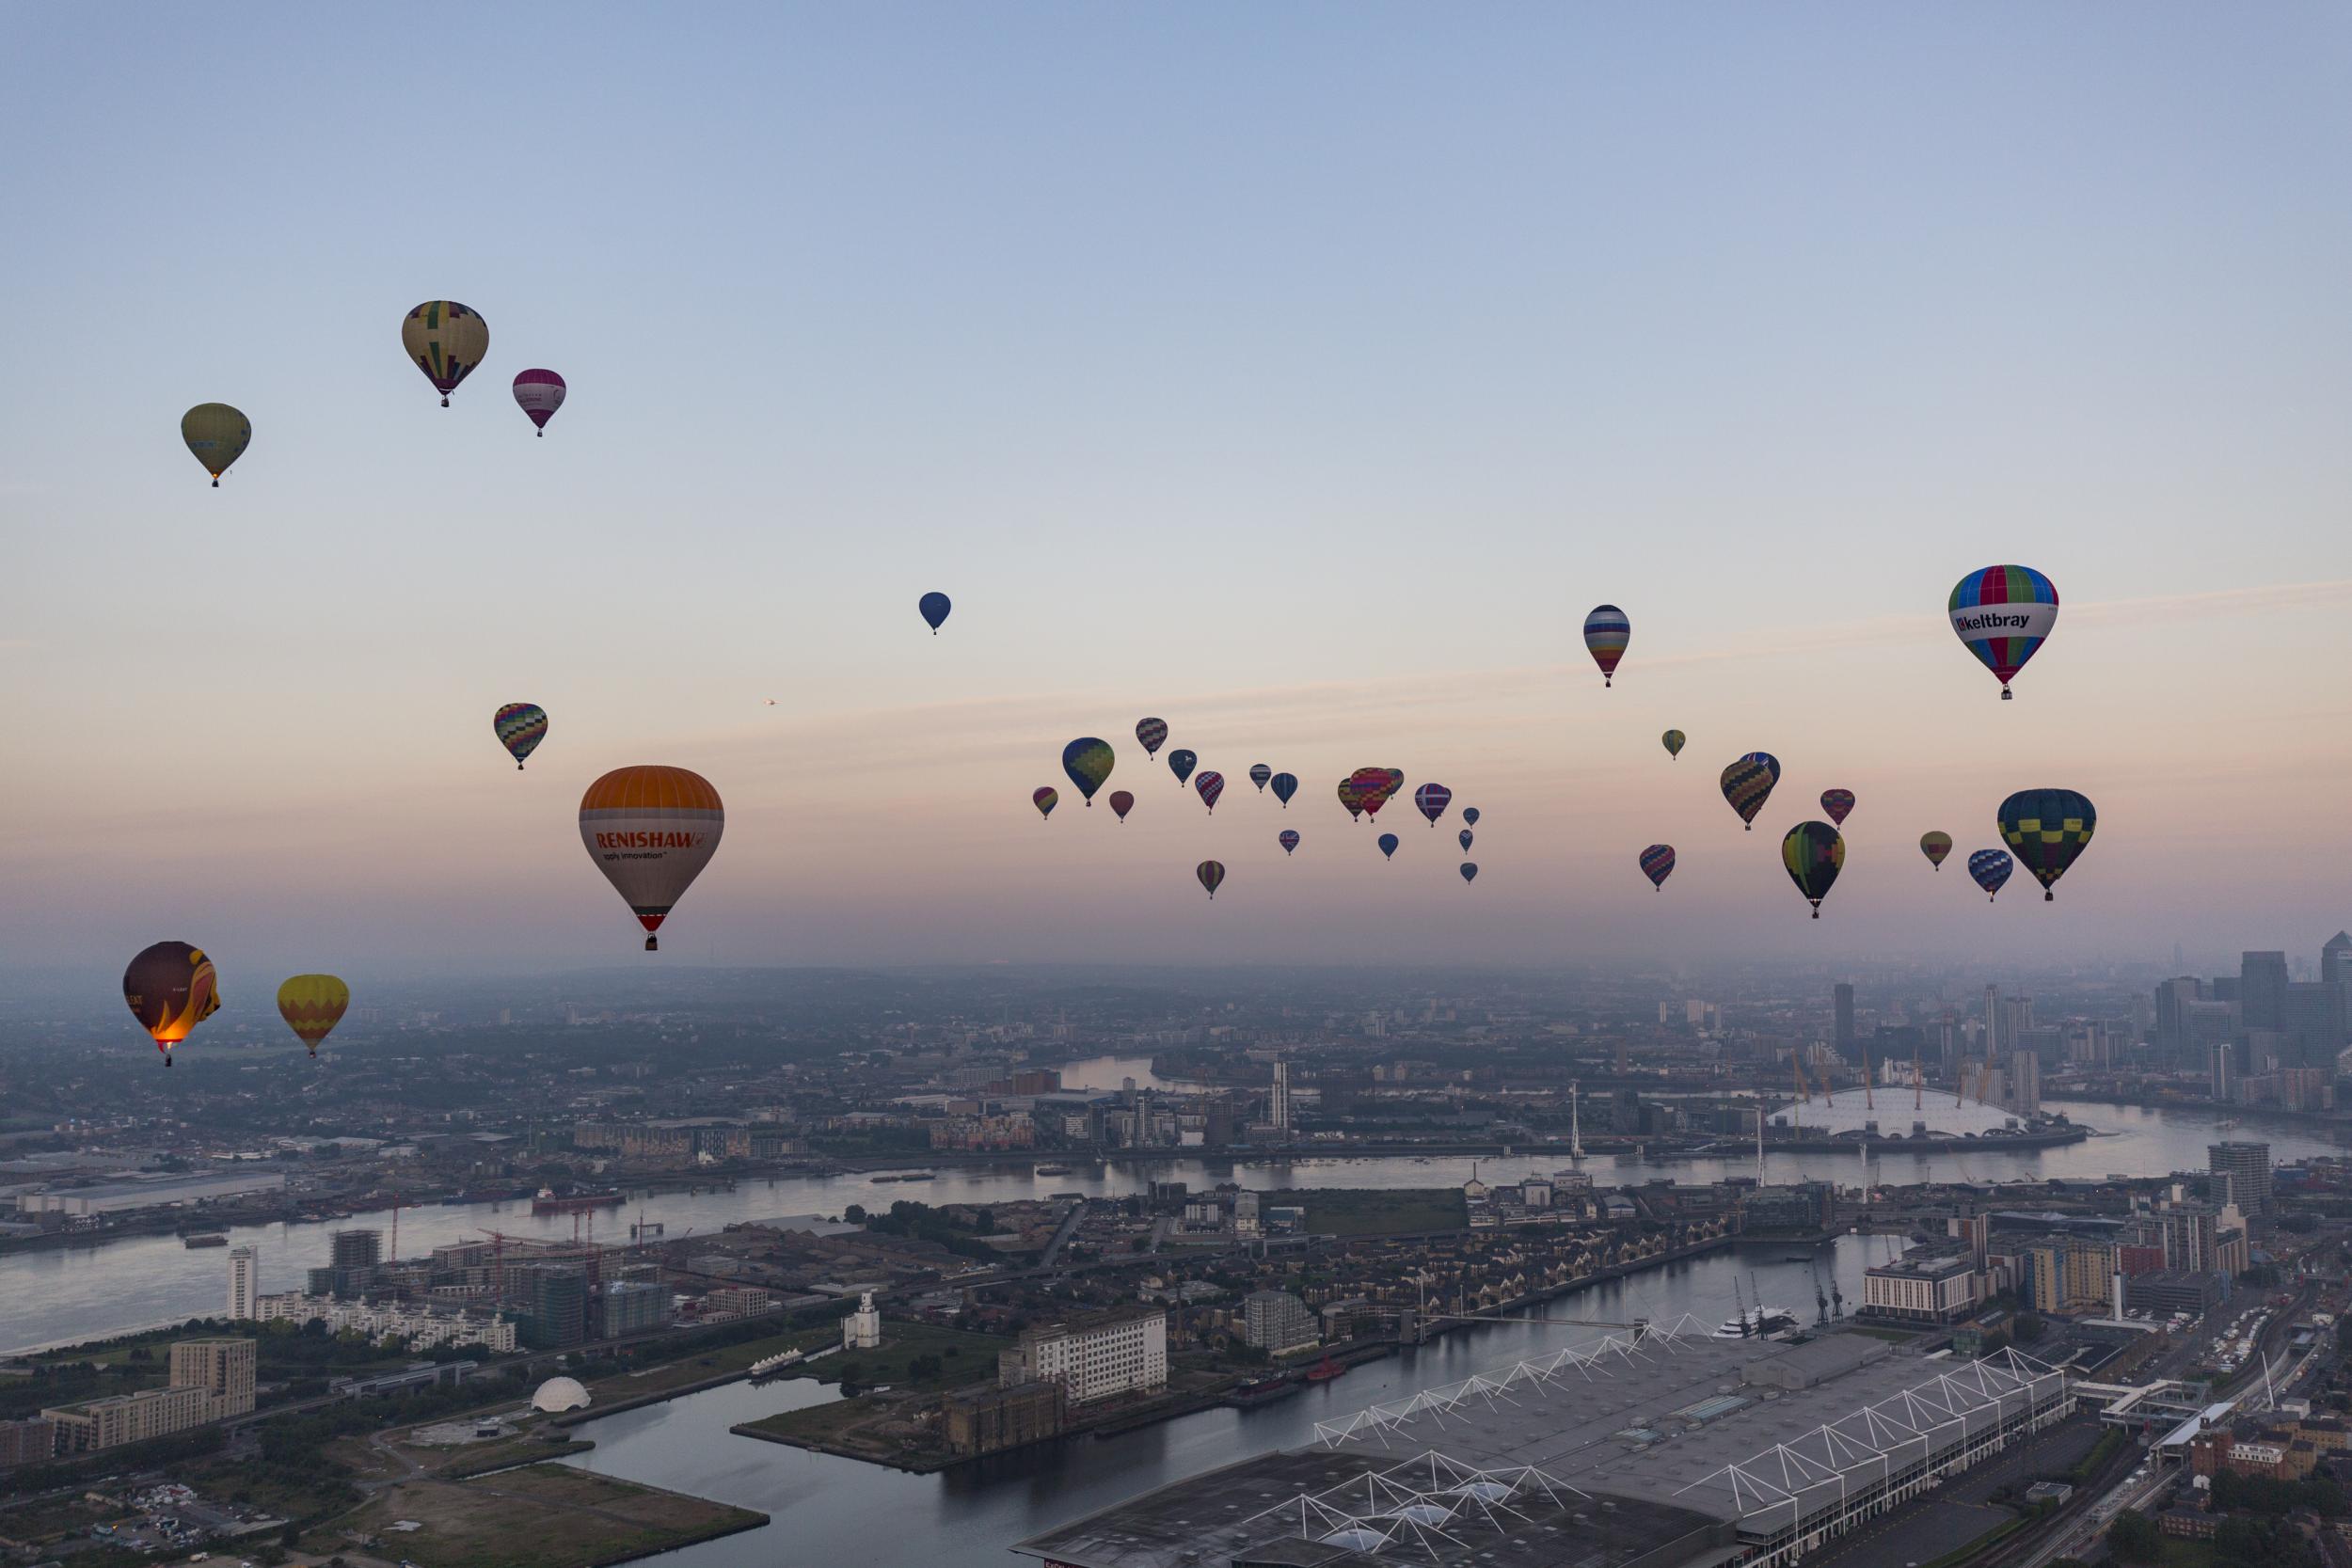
x,y
115,1197
1648,1449
1119,1352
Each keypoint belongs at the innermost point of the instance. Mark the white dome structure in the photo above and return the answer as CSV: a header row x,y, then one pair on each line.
x,y
559,1393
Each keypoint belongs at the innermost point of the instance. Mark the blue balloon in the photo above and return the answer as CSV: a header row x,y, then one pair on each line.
x,y
1387,845
1470,816
934,608
1284,785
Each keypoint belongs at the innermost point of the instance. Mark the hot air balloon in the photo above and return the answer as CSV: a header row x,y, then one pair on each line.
x,y
1812,852
217,435
933,606
1673,741
1606,633
1837,802
1288,839
1470,816
1991,868
171,989
1748,782
1396,779
445,341
1122,803
1470,871
1044,797
1352,796
1284,786
651,830
1432,800
1388,845
1658,863
1210,874
539,394
2002,614
1181,763
313,1005
1372,788
1211,784
1935,846
1463,838
1087,761
2048,828
1153,732
1259,774
520,727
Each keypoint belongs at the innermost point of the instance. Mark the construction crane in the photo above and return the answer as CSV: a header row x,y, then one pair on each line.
x,y
1804,1090
1868,1103
1820,1302
1918,1085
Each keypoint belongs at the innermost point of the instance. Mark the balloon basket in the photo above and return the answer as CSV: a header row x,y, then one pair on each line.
x,y
2007,695
652,945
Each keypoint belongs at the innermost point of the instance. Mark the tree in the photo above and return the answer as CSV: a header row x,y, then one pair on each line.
x,y
2135,1538
2028,1329
854,1214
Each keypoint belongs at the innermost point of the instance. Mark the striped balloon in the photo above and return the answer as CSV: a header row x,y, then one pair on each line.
x,y
1991,868
539,394
1748,784
1658,863
1284,785
1813,853
1673,741
1045,797
1837,802
520,727
2002,614
1606,633
1259,774
1211,784
1153,732
1210,874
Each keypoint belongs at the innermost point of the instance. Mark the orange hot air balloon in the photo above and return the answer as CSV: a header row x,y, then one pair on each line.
x,y
651,830
313,1005
171,989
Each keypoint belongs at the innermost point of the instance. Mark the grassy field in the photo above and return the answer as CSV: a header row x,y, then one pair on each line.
x,y
547,1517
813,1422
1387,1212
974,1356
709,1363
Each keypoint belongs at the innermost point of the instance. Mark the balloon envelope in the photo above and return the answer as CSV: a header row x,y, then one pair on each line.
x,y
1181,763
1464,839
171,989
539,394
1122,803
1470,871
2002,614
2048,830
1288,839
1352,796
1432,800
1991,868
1153,732
1658,863
1837,802
520,727
1606,633
1673,741
1470,816
1935,846
1259,774
1812,852
446,340
1284,785
1211,784
1044,797
1372,788
933,606
313,1005
1087,761
1388,845
651,830
217,435
1209,873
1748,784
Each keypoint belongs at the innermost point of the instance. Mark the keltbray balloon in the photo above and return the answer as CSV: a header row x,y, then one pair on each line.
x,y
1431,799
1658,863
1045,797
520,727
933,606
1470,816
1674,741
1259,774
1470,871
1284,785
1209,873
1748,784
217,435
446,340
1087,761
1837,802
171,989
1211,784
1991,868
1463,838
1288,839
2002,614
1122,803
651,830
1153,732
2047,830
1935,846
1352,796
313,1005
1813,853
1606,633
1181,763
539,394
1388,845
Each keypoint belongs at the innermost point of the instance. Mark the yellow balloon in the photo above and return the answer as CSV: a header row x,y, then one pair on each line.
x,y
311,1006
218,435
446,340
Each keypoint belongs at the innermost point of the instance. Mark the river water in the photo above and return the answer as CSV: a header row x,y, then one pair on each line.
x,y
72,1294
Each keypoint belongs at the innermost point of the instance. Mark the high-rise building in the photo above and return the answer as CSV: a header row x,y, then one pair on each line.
x,y
1279,1105
2315,1022
2247,1166
1119,1352
2335,960
244,1281
552,1301
2262,989
2221,1065
1993,1043
1843,1000
2172,1000
357,1249
1275,1320
222,1368
634,1307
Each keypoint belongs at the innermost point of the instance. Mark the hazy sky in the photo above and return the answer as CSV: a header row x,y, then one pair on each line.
x,y
1300,373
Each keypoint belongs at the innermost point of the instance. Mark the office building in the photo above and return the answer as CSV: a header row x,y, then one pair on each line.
x,y
2247,1166
1923,1286
1120,1351
1842,997
2316,1024
244,1282
1275,1322
1279,1105
2262,989
2335,960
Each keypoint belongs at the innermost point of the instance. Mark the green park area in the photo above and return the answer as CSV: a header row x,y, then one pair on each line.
x,y
913,1358
546,1517
1364,1211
